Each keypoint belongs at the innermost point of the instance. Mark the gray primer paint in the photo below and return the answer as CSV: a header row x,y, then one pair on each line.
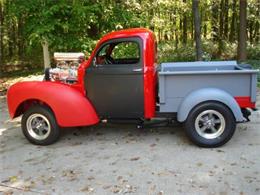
x,y
208,94
194,82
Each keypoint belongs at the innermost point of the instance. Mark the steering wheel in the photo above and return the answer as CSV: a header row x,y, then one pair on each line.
x,y
109,59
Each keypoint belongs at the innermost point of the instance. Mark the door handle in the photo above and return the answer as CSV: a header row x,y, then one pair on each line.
x,y
137,70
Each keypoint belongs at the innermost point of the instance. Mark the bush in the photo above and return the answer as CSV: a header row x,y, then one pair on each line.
x,y
226,52
168,53
253,52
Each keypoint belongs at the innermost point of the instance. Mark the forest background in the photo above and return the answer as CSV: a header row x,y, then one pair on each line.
x,y
186,30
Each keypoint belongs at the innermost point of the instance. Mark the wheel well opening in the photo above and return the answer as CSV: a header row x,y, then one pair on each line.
x,y
25,105
214,101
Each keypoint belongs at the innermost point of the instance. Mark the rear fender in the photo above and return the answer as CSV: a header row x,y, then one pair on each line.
x,y
208,94
70,107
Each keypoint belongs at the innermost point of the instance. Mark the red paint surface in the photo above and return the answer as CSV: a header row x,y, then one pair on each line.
x,y
70,107
245,102
149,63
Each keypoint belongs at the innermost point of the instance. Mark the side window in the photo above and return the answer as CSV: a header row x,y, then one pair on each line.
x,y
103,50
126,52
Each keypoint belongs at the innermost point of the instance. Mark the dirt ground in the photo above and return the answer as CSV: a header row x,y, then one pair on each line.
x,y
120,159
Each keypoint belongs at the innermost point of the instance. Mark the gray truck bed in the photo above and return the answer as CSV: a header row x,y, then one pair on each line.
x,y
177,80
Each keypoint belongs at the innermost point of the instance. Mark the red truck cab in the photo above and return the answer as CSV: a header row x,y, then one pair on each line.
x,y
120,85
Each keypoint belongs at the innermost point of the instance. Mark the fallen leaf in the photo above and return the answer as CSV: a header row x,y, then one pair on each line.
x,y
116,189
199,164
13,179
9,192
87,189
160,193
107,187
135,158
129,189
119,178
91,178
69,174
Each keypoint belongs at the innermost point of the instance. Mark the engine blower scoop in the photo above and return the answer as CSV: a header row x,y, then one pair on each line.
x,y
68,56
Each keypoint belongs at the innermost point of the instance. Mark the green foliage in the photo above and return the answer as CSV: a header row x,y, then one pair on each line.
x,y
253,52
211,50
254,63
77,25
168,53
126,50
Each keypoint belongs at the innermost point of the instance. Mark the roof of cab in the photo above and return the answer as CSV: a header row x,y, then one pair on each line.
x,y
127,33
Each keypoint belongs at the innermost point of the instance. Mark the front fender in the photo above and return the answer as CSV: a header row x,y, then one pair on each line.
x,y
70,107
208,94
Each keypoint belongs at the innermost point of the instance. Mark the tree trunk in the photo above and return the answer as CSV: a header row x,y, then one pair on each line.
x,y
14,39
221,19
257,32
175,30
176,39
241,52
192,30
232,33
195,9
46,54
1,33
184,34
257,24
20,38
221,29
204,17
180,29
214,21
226,9
251,30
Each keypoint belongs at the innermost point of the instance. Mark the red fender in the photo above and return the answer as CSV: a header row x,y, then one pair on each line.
x,y
70,107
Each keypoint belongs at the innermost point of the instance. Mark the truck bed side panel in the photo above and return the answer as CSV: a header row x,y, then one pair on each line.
x,y
174,88
178,80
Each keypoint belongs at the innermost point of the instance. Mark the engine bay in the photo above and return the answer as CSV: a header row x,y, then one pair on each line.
x,y
66,69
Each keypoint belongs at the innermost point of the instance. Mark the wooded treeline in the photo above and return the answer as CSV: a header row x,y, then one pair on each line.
x,y
75,25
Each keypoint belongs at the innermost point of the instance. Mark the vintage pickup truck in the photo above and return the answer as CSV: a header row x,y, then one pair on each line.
x,y
122,80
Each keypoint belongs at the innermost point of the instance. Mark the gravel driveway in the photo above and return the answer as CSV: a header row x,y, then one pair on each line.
x,y
120,159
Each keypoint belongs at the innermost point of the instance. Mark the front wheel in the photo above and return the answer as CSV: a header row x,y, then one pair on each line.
x,y
210,124
39,125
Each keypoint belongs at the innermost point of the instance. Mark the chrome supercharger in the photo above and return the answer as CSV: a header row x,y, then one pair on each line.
x,y
66,69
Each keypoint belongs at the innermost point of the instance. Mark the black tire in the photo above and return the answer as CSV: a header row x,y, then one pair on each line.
x,y
48,118
202,140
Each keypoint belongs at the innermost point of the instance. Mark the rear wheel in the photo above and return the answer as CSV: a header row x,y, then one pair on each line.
x,y
39,125
210,124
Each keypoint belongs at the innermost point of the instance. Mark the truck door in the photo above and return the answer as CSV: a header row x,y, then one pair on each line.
x,y
114,81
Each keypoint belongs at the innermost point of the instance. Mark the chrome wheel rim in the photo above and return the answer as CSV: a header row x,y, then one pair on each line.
x,y
210,124
38,126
